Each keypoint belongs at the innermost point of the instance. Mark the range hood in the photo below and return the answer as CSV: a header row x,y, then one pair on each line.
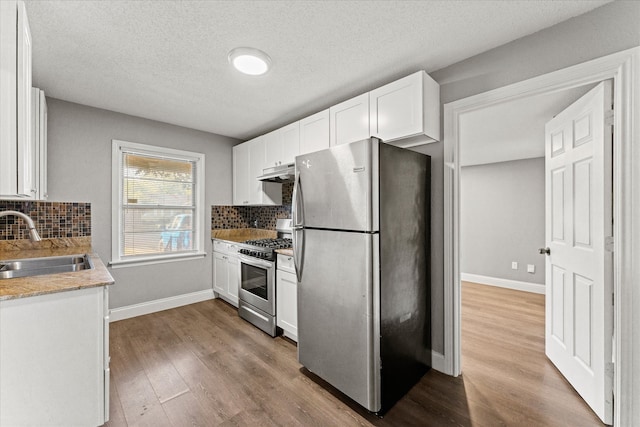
x,y
281,173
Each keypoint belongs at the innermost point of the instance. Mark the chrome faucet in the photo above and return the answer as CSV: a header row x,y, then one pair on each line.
x,y
33,233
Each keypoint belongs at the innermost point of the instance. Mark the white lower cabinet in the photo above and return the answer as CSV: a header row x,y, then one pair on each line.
x,y
226,271
287,297
54,359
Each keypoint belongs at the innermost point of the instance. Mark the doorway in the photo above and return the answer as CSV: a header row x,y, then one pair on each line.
x,y
621,68
502,225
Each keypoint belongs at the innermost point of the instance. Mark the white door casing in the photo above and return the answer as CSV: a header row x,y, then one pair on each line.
x,y
624,69
579,268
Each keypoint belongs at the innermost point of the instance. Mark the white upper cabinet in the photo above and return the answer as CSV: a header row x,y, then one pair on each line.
x,y
39,137
349,120
314,132
257,160
273,148
290,142
406,112
282,145
241,174
17,156
249,160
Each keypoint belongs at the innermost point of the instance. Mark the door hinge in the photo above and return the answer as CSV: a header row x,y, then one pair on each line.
x,y
608,118
608,244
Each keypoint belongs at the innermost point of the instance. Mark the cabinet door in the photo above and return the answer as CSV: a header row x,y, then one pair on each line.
x,y
17,156
233,278
287,303
349,120
405,108
257,160
273,148
241,174
290,138
42,147
26,149
220,273
8,99
314,132
52,359
261,193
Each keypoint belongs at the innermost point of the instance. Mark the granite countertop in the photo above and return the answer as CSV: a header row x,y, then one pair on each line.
x,y
239,235
22,287
287,252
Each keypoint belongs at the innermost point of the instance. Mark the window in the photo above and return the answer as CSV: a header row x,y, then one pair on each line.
x,y
158,196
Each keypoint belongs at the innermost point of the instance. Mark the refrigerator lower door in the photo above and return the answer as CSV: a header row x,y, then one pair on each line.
x,y
338,312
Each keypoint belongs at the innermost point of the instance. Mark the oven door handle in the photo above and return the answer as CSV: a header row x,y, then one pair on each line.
x,y
254,261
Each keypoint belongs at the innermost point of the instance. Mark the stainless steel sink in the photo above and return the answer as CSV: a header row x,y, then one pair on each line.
x,y
10,269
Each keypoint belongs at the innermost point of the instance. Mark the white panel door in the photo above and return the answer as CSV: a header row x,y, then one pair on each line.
x,y
349,120
579,275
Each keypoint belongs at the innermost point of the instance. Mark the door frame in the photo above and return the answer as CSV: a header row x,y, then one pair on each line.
x,y
624,69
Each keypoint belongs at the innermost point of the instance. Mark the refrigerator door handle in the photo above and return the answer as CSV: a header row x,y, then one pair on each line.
x,y
298,214
298,252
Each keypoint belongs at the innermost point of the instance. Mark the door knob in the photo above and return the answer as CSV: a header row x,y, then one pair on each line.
x,y
543,251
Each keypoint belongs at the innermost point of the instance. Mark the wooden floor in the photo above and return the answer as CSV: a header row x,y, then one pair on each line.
x,y
201,365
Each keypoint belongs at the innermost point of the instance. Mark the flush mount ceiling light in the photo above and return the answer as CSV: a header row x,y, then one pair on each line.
x,y
250,61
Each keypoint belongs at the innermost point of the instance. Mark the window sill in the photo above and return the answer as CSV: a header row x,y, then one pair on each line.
x,y
156,259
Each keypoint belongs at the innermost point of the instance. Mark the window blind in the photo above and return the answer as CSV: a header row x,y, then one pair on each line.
x,y
158,205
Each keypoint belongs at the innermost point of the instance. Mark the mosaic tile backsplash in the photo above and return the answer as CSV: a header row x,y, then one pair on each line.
x,y
52,219
227,217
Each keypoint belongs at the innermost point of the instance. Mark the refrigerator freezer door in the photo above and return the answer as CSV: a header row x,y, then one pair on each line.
x,y
339,187
338,313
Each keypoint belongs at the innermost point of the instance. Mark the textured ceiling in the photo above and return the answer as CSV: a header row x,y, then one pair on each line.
x,y
511,130
167,60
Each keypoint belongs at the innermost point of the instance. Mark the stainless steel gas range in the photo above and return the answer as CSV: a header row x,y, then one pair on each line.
x,y
257,293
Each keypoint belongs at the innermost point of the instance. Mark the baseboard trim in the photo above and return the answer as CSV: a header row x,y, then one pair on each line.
x,y
535,288
438,362
149,307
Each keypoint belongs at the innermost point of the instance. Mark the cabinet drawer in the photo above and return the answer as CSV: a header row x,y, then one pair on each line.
x,y
224,247
285,263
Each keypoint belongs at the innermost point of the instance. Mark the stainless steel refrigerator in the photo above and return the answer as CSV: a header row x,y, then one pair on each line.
x,y
362,254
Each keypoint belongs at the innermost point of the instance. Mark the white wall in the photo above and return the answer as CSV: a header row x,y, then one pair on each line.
x,y
502,219
79,156
607,29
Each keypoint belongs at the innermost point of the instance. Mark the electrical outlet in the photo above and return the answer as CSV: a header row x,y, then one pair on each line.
x,y
531,268
514,265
